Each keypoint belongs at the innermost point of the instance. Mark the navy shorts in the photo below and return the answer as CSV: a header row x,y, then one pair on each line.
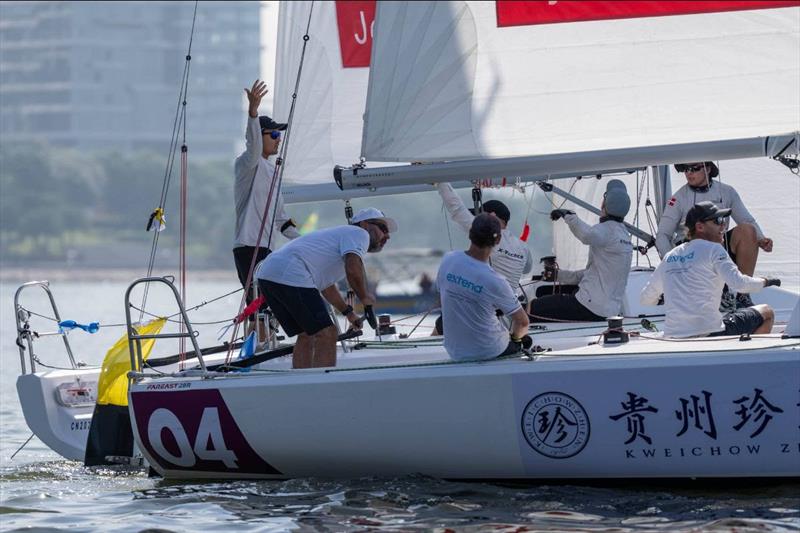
x,y
298,309
740,322
242,256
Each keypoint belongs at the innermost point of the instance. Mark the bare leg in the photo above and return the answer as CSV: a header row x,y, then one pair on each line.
x,y
744,244
769,318
325,347
263,325
303,351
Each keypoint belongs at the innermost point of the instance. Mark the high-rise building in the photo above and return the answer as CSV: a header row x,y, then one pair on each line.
x,y
107,75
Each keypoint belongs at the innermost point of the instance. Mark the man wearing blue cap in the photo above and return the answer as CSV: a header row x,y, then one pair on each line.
x,y
601,285
254,186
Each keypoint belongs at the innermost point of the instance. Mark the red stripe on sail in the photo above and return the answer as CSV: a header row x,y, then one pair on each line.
x,y
355,21
522,13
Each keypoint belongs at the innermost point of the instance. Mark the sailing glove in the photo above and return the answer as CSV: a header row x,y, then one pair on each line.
x,y
525,342
369,315
555,214
769,282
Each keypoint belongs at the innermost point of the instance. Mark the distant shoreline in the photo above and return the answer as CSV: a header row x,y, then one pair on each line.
x,y
22,275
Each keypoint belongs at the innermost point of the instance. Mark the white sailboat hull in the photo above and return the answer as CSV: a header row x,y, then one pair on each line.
x,y
645,409
62,425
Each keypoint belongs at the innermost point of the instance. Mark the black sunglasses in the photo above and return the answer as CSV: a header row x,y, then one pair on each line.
x,y
381,226
694,168
274,134
717,220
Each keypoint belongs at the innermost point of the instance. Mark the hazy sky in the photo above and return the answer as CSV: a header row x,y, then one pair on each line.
x,y
269,30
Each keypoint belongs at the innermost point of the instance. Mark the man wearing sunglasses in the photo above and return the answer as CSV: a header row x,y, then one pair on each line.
x,y
691,277
255,179
742,242
295,278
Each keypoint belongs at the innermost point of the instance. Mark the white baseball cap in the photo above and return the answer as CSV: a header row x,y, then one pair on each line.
x,y
370,213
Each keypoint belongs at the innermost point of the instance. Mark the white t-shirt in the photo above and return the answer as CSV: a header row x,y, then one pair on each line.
x,y
511,258
691,277
316,259
471,292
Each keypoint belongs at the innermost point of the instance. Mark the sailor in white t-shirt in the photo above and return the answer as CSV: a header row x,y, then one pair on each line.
x,y
472,292
742,242
691,277
511,258
292,279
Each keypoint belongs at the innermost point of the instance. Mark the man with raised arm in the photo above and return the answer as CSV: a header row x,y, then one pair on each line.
x,y
254,186
742,242
691,277
293,278
511,258
602,284
472,293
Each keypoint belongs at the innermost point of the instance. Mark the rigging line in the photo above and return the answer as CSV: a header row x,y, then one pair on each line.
x,y
20,448
195,308
170,318
639,191
447,225
277,178
180,116
34,313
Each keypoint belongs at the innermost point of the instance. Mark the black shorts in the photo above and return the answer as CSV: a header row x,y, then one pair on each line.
x,y
561,307
243,256
740,322
728,235
298,309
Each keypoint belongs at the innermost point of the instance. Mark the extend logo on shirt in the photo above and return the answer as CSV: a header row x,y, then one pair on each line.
x,y
680,258
467,284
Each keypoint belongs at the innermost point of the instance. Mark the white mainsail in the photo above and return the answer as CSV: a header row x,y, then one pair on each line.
x,y
421,96
447,83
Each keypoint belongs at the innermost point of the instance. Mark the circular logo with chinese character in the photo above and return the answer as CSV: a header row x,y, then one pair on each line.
x,y
555,425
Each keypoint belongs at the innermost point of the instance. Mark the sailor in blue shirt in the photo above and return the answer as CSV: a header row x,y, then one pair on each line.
x,y
472,292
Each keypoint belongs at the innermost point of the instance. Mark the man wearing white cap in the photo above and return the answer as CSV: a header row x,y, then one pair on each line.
x,y
601,285
292,278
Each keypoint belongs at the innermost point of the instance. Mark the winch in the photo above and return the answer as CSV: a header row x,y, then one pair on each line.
x,y
385,326
615,334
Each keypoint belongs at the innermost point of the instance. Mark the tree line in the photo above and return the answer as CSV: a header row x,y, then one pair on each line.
x,y
55,202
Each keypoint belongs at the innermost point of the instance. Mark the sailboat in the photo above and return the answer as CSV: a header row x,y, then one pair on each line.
x,y
488,91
